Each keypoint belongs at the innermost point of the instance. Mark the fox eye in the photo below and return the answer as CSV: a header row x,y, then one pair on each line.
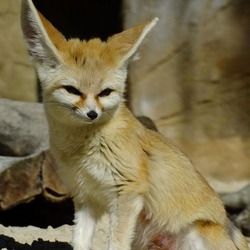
x,y
105,92
72,90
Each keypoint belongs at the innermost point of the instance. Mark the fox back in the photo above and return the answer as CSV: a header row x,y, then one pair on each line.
x,y
109,161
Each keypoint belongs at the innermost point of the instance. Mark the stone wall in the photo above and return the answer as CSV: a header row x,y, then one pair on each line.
x,y
193,80
17,75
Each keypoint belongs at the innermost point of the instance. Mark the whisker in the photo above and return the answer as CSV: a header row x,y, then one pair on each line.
x,y
61,104
108,113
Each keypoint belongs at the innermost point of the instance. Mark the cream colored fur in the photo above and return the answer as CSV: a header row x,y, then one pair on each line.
x,y
108,160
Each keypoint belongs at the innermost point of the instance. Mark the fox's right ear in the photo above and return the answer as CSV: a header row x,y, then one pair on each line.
x,y
127,42
40,36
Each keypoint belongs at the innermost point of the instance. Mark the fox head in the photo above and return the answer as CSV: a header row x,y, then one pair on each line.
x,y
82,81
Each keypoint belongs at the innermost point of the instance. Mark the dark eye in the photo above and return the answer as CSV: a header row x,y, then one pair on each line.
x,y
105,92
72,90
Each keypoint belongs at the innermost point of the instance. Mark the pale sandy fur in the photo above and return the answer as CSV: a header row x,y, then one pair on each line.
x,y
113,164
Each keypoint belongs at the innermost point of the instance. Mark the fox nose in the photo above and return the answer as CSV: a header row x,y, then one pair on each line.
x,y
92,114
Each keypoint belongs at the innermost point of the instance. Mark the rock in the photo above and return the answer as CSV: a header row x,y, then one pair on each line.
x,y
27,168
20,182
238,207
193,81
243,221
237,200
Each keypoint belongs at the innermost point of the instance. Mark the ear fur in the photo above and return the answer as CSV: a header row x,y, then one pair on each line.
x,y
127,42
43,39
38,32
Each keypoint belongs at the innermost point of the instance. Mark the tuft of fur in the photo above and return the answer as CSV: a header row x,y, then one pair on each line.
x,y
108,160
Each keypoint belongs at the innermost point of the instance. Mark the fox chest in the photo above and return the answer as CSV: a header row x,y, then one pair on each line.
x,y
89,173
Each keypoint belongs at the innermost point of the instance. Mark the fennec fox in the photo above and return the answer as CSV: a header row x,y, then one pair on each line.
x,y
108,160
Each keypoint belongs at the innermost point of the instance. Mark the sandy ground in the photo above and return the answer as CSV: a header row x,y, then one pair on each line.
x,y
33,238
29,234
27,238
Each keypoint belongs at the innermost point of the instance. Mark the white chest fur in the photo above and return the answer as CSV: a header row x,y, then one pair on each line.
x,y
89,166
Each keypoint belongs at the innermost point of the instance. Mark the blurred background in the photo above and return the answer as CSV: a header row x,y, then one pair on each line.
x,y
192,80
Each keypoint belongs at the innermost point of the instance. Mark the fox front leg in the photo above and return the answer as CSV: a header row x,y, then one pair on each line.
x,y
123,217
85,224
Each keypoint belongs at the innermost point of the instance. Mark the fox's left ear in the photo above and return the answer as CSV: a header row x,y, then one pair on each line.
x,y
42,38
127,42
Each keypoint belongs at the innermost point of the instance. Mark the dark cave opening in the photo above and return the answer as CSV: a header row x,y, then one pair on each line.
x,y
84,19
39,213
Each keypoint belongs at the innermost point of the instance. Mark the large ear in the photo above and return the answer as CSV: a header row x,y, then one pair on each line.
x,y
40,36
127,42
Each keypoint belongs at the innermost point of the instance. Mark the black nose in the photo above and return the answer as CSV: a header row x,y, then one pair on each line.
x,y
92,114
